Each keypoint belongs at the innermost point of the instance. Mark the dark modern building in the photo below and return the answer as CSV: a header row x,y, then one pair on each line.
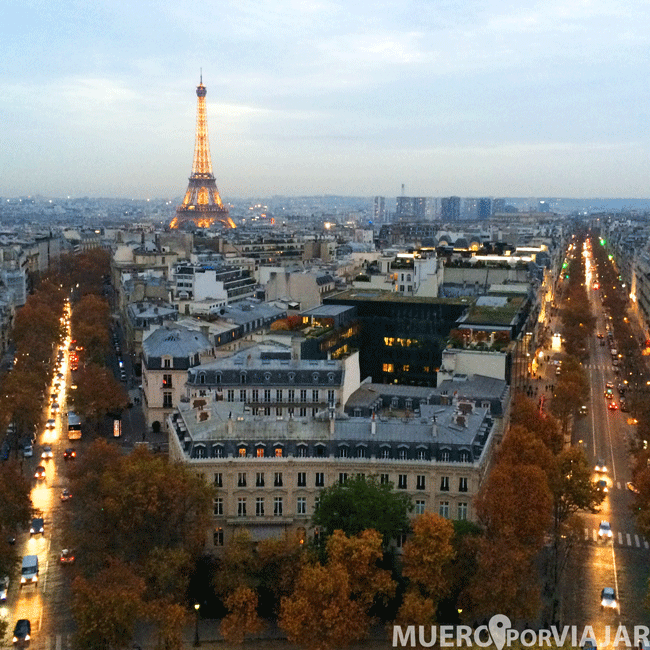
x,y
450,208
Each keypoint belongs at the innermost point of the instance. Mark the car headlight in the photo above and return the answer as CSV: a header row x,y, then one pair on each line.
x,y
26,637
15,639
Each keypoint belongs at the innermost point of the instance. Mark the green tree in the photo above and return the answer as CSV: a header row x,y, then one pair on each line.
x,y
363,503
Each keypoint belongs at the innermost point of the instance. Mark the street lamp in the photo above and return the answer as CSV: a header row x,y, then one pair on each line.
x,y
197,642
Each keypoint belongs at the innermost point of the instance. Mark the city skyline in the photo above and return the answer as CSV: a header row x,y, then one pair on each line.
x,y
471,99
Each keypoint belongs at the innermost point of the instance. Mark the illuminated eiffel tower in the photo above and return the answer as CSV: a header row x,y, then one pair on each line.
x,y
202,205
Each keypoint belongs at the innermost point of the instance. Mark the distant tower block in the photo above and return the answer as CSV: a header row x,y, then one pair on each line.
x,y
202,205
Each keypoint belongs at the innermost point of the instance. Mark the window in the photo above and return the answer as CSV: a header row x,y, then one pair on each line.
x,y
242,452
230,395
202,378
419,507
292,376
362,452
302,479
314,396
259,507
320,450
462,484
242,395
462,511
278,395
344,451
302,412
421,482
343,477
167,381
267,376
243,379
241,479
167,363
217,451
278,412
167,400
401,481
267,410
402,454
409,404
385,452
241,507
277,506
259,452
217,537
278,452
301,451
422,454
383,479
320,479
443,511
406,368
301,505
316,506
388,367
444,456
303,395
255,397
444,484
267,395
218,479
315,377
259,479
218,507
291,395
277,480
330,397
464,456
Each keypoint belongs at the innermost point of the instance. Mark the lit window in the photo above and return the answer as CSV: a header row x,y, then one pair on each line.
x,y
388,367
278,452
260,452
242,452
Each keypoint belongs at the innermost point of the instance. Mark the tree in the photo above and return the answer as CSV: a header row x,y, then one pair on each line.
x,y
319,613
279,562
15,511
427,554
524,413
415,609
98,393
106,607
515,503
242,617
522,447
363,503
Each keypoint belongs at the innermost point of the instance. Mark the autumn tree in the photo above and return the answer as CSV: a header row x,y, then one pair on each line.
x,y
242,617
363,503
106,607
15,511
98,393
524,413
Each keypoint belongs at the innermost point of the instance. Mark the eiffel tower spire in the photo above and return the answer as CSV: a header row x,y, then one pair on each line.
x,y
202,204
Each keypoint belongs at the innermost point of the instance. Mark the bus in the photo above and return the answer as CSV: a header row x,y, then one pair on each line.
x,y
74,426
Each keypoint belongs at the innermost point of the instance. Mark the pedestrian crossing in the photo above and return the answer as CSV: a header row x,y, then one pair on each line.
x,y
622,539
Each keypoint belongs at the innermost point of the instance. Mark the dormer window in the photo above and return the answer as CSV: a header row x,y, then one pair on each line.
x,y
315,377
330,377
167,363
292,376
202,378
243,378
267,376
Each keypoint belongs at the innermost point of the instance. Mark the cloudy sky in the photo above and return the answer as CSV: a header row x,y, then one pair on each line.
x,y
465,97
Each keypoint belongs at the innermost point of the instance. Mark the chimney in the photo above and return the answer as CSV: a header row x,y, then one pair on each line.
x,y
373,425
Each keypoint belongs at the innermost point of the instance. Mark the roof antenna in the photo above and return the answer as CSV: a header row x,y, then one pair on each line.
x,y
201,76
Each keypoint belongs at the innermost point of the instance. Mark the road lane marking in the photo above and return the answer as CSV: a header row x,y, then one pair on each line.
x,y
636,539
629,539
620,538
645,543
618,485
59,641
595,535
586,534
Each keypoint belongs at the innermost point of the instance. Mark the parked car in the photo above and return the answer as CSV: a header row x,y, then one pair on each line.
x,y
4,587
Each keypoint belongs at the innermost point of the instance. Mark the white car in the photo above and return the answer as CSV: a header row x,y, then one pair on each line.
x,y
4,586
601,466
608,598
604,530
47,452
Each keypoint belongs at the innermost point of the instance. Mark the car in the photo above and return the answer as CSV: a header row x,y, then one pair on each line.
x,y
558,370
631,487
37,526
59,375
28,451
600,335
609,384
47,452
69,454
613,406
40,472
66,557
4,587
623,406
66,495
51,423
609,393
601,486
601,466
54,398
604,530
583,410
22,632
608,598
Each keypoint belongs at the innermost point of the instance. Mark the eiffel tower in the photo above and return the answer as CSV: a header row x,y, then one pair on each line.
x,y
202,205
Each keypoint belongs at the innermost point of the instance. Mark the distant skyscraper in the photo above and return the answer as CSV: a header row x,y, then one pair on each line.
x,y
202,204
498,206
450,208
379,211
411,207
484,208
544,205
